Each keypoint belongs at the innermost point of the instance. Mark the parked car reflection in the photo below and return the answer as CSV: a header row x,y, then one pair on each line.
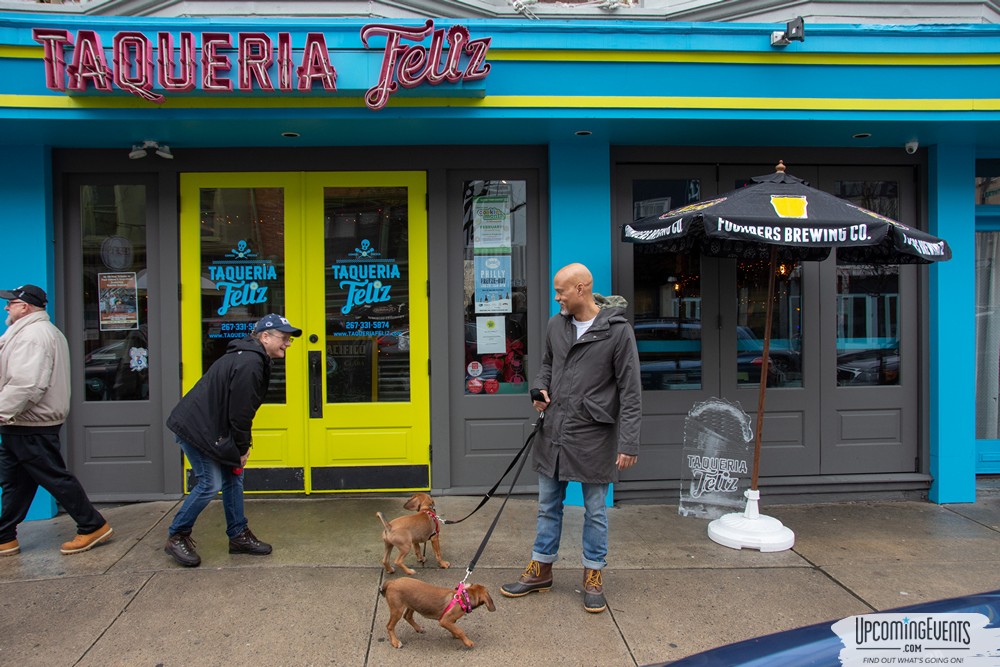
x,y
873,367
671,356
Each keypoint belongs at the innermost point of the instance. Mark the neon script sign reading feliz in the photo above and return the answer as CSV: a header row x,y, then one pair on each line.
x,y
260,64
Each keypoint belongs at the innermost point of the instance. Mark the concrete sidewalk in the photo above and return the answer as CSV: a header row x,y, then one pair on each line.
x,y
671,591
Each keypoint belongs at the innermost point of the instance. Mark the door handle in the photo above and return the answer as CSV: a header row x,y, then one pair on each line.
x,y
315,384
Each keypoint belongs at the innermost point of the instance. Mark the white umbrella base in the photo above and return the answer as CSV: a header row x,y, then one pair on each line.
x,y
751,530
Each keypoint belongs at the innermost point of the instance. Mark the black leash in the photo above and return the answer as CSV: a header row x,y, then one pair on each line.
x,y
489,533
489,494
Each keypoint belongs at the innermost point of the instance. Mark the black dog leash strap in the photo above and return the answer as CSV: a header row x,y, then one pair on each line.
x,y
489,494
489,533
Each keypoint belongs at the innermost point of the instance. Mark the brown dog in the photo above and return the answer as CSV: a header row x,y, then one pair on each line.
x,y
411,531
405,596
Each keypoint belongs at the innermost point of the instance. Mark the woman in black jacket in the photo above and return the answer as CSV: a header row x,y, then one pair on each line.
x,y
212,423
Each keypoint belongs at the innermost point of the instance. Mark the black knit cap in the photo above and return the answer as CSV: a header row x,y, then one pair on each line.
x,y
32,294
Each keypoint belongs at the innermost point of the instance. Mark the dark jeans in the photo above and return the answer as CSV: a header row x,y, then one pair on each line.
x,y
32,460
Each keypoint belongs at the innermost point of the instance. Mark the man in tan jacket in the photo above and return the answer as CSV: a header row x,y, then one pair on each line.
x,y
34,403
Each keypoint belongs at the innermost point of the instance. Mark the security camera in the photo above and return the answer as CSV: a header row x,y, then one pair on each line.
x,y
911,147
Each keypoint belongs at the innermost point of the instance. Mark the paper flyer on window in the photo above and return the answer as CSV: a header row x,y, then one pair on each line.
x,y
119,301
491,225
491,335
493,284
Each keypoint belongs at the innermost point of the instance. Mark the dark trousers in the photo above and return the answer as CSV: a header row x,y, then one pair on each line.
x,y
32,460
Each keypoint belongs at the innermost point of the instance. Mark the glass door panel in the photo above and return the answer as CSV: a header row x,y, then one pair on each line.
x,y
240,250
365,251
115,302
366,241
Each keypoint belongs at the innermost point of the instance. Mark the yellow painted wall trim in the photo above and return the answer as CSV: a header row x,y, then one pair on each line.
x,y
511,102
10,51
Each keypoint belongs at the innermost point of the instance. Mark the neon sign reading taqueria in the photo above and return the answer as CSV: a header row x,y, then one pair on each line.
x,y
262,63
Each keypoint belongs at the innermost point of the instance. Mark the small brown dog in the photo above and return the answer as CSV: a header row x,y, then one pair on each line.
x,y
411,531
405,596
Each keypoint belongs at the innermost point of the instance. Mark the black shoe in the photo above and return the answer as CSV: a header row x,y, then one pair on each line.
x,y
247,543
181,548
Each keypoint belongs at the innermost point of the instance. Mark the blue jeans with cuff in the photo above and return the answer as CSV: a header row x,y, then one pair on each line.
x,y
212,477
551,495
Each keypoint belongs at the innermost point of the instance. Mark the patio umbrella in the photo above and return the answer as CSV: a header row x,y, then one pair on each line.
x,y
778,216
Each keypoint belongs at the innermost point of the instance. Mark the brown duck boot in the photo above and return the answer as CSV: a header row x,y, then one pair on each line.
x,y
537,577
593,591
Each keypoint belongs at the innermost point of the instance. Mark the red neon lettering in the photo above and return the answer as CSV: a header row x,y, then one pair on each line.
x,y
254,59
477,68
133,53
411,65
316,64
378,95
213,62
184,80
89,63
285,63
55,57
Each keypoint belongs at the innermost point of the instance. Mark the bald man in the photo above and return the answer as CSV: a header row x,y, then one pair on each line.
x,y
589,381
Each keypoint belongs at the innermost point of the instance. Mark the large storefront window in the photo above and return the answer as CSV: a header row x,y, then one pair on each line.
x,y
868,301
988,335
667,294
367,332
116,361
785,353
242,268
496,292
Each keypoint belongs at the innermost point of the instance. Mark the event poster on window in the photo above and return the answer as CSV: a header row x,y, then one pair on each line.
x,y
118,301
491,224
492,284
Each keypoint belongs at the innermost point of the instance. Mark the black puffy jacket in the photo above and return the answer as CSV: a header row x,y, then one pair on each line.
x,y
221,406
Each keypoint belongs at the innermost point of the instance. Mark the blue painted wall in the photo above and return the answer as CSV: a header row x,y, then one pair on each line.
x,y
952,308
26,175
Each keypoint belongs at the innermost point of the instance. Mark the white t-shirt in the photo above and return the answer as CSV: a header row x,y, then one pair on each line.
x,y
581,327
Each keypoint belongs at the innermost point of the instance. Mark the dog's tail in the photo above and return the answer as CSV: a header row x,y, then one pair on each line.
x,y
385,524
381,589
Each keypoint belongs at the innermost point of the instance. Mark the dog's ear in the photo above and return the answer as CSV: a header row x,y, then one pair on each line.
x,y
413,504
482,596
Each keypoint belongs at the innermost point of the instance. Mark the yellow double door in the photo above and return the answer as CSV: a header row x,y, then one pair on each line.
x,y
344,257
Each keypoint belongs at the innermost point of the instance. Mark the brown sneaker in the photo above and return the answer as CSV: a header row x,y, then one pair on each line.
x,y
87,540
537,577
10,548
593,591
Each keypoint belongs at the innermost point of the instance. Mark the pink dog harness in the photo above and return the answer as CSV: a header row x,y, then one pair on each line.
x,y
434,518
461,598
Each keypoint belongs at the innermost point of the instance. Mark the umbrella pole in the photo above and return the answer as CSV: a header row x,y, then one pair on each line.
x,y
765,366
750,529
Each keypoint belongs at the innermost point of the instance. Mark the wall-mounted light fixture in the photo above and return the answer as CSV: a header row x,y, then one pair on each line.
x,y
795,31
140,151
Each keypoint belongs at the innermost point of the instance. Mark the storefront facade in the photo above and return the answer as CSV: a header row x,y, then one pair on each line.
x,y
404,192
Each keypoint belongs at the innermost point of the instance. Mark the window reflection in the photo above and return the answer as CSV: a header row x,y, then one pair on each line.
x,y
496,287
667,294
988,335
242,269
116,361
785,351
868,301
366,234
988,190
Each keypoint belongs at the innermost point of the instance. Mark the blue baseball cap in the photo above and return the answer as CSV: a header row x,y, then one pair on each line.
x,y
274,322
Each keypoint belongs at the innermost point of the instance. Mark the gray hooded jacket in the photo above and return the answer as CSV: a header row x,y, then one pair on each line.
x,y
595,393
